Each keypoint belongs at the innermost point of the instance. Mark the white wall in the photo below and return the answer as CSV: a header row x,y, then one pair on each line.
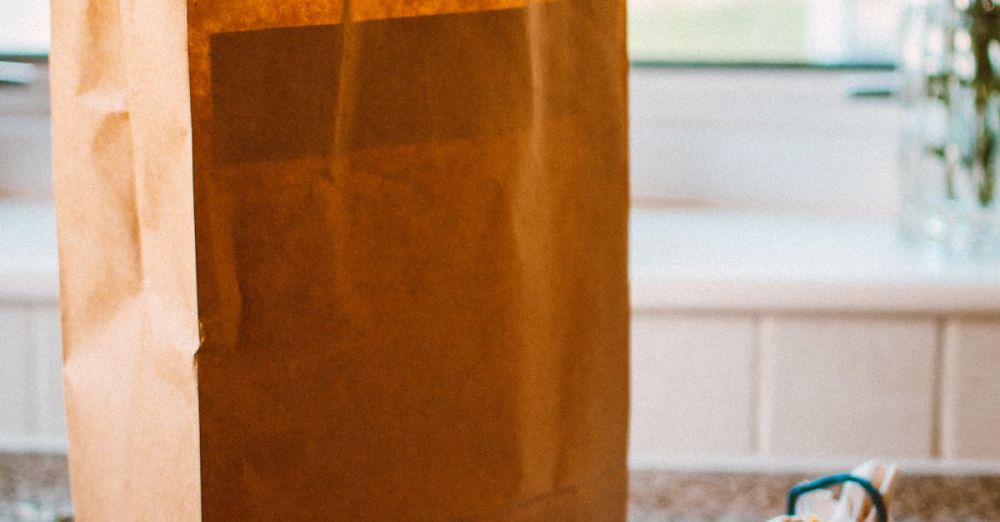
x,y
25,140
763,139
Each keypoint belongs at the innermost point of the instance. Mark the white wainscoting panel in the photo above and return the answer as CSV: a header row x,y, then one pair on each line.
x,y
692,385
17,405
971,389
848,386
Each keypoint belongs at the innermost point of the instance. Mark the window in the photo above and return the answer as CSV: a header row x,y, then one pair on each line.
x,y
24,27
820,32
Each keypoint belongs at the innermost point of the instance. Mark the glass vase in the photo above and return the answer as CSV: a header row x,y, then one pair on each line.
x,y
950,65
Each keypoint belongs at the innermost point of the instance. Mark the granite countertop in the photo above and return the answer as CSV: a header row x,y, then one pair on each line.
x,y
33,488
703,497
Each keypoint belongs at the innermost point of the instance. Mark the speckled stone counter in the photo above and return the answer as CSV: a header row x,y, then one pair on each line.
x,y
35,487
703,497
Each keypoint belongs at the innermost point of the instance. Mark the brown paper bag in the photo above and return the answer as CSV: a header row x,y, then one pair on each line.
x,y
343,260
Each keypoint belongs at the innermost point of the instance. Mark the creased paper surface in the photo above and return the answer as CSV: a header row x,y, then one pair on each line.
x,y
361,261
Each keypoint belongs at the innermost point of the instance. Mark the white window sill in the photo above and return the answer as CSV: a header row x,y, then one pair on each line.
x,y
681,260
719,260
